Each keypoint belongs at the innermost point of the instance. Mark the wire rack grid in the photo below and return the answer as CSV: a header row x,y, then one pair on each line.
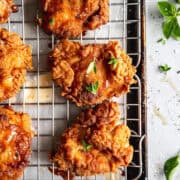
x,y
51,113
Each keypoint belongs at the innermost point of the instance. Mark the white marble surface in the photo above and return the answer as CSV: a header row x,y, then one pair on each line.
x,y
163,97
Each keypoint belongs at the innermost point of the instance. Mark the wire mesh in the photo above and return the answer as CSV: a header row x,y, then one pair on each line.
x,y
51,113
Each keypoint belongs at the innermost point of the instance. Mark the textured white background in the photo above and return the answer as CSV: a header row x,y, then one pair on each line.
x,y
163,97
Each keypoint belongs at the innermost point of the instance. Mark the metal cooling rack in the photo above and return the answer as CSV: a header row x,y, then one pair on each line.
x,y
51,113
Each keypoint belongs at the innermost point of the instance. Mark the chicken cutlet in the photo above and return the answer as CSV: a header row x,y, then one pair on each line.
x,y
6,7
89,74
15,60
70,18
15,141
94,144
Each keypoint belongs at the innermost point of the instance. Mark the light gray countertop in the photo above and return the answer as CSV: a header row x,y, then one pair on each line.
x,y
163,95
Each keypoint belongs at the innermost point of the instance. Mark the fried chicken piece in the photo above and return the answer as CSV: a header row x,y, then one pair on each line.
x,y
70,18
15,141
6,7
15,60
94,144
91,73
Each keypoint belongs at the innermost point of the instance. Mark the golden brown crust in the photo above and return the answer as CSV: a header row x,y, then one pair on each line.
x,y
72,17
70,61
6,7
15,60
109,142
15,141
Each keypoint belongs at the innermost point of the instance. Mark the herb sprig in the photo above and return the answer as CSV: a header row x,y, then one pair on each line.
x,y
114,62
86,147
164,68
93,87
171,166
170,26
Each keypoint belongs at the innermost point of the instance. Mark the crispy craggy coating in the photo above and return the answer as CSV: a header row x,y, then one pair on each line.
x,y
6,7
70,18
108,143
15,60
15,140
70,63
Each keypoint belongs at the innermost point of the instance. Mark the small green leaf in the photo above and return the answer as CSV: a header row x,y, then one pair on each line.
x,y
86,147
51,21
171,166
92,67
93,87
95,70
162,40
164,68
114,62
178,12
168,27
178,1
89,146
166,8
176,31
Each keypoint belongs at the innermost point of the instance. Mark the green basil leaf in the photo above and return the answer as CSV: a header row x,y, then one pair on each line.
x,y
95,69
168,27
178,12
166,8
113,61
176,31
86,147
171,166
164,68
178,1
93,87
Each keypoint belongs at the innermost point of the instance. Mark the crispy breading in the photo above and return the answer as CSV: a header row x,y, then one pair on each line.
x,y
70,63
106,143
15,141
70,18
6,7
15,60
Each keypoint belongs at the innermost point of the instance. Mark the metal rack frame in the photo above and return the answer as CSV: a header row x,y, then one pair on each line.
x,y
133,104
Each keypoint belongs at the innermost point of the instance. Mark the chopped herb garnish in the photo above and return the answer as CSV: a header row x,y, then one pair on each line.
x,y
93,87
171,166
86,147
92,67
170,26
51,21
113,61
162,40
164,68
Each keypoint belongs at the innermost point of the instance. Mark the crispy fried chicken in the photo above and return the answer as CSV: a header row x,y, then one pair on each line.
x,y
15,140
94,144
89,74
69,18
15,60
6,7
